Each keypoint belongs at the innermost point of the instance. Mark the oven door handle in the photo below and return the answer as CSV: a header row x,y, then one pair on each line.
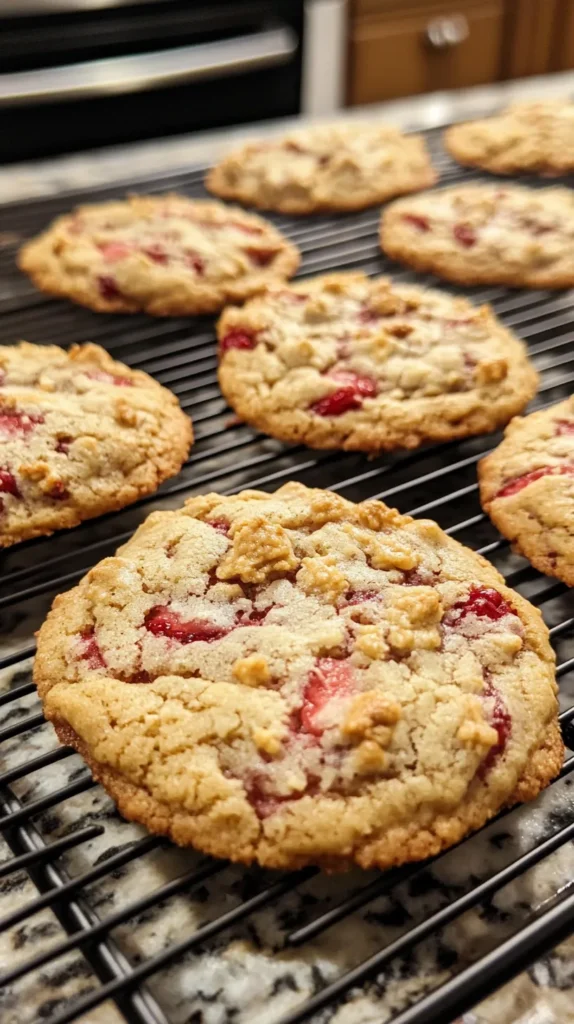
x,y
116,75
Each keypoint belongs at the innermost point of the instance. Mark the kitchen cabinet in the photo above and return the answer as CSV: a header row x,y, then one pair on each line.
x,y
414,46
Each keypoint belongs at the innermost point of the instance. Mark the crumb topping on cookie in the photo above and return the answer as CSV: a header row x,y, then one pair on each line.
x,y
324,167
536,137
165,255
80,435
476,232
295,678
527,487
344,360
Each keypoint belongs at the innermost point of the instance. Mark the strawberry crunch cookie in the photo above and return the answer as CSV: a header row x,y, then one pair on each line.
x,y
345,361
325,167
486,234
526,137
295,679
527,488
80,435
168,256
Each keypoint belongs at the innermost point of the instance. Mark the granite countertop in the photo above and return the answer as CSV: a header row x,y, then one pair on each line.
x,y
246,975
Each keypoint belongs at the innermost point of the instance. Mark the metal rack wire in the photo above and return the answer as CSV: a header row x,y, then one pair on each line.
x,y
439,481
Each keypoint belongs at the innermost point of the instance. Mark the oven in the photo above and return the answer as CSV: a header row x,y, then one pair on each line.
x,y
78,74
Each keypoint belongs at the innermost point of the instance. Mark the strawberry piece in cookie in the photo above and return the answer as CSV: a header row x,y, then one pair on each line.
x,y
351,395
328,681
162,621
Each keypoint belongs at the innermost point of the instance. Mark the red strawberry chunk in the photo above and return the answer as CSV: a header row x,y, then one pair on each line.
x,y
90,650
63,444
195,262
108,288
465,235
350,396
112,252
483,602
59,492
565,426
327,680
261,257
8,483
516,485
417,221
162,621
359,596
14,422
110,378
501,720
220,525
237,339
157,253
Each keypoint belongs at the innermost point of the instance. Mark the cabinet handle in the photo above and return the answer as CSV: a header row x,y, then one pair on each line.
x,y
443,33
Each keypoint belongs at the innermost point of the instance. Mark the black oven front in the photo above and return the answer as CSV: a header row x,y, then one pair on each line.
x,y
77,74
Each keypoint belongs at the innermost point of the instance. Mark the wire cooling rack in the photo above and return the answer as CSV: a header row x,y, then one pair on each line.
x,y
100,917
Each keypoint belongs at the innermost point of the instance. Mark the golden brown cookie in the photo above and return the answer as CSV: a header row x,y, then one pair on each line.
x,y
347,361
324,167
295,679
486,234
166,255
80,435
534,137
527,488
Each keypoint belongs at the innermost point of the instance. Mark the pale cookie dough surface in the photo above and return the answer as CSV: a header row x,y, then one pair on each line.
x,y
347,361
295,679
168,256
486,234
80,435
527,488
326,167
526,137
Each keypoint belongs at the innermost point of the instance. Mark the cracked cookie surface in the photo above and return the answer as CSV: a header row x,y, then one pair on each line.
x,y
324,167
527,488
81,434
346,361
535,138
486,234
294,679
166,255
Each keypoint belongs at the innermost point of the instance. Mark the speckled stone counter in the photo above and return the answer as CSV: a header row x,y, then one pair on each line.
x,y
246,974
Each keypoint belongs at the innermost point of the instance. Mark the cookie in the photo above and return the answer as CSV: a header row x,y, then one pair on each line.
x,y
345,361
80,435
527,488
295,679
168,256
486,234
537,138
324,167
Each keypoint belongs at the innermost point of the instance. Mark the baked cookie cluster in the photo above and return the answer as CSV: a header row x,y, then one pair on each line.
x,y
347,361
80,435
167,256
535,138
324,167
486,234
295,679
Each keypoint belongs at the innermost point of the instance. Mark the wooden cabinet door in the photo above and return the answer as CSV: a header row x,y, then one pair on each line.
x,y
563,40
391,53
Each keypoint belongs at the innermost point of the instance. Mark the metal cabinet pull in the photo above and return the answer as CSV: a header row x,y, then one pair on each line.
x,y
443,33
115,75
